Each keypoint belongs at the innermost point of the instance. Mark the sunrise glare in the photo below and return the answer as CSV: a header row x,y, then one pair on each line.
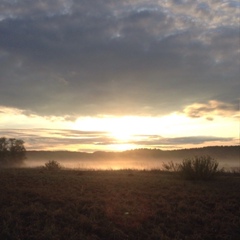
x,y
110,133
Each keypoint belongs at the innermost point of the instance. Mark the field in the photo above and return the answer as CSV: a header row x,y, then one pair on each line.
x,y
125,204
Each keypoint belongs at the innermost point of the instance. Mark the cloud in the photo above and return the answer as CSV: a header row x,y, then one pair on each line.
x,y
181,141
140,57
38,139
56,139
34,9
212,109
10,111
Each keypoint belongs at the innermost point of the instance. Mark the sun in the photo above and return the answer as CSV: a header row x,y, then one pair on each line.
x,y
121,135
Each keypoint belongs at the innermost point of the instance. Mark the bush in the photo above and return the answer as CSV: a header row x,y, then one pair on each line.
x,y
199,168
52,165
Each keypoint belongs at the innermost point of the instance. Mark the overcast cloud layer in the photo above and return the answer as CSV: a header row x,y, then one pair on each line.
x,y
137,57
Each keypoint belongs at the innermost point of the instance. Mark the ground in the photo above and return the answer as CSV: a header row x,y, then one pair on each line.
x,y
127,204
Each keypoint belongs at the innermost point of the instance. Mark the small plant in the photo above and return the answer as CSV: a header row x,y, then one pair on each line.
x,y
199,168
52,165
170,166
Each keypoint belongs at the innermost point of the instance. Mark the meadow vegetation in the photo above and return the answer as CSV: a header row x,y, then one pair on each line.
x,y
199,168
126,204
52,165
195,168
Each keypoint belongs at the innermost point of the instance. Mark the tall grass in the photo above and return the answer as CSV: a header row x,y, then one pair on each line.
x,y
170,166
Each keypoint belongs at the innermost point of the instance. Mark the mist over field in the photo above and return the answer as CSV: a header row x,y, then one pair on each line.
x,y
227,157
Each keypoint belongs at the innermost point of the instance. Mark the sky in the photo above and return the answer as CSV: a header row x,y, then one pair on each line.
x,y
91,75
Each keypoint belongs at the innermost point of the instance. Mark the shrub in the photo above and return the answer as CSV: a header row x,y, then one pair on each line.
x,y
199,168
52,165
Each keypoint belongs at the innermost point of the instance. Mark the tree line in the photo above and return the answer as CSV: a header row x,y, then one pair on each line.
x,y
12,152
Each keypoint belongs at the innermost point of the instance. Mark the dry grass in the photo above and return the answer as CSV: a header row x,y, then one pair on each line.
x,y
127,204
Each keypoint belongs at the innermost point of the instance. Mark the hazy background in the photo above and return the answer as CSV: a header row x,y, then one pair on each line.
x,y
228,157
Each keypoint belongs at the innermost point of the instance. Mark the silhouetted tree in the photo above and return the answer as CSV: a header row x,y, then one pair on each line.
x,y
12,152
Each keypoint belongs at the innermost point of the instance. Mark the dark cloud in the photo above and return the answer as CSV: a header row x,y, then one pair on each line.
x,y
181,141
117,57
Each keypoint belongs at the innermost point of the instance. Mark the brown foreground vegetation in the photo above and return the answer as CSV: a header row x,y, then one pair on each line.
x,y
125,204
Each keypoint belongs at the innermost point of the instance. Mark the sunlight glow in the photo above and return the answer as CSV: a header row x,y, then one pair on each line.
x,y
124,128
121,135
111,133
122,147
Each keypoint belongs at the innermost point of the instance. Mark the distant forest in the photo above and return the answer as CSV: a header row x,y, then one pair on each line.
x,y
221,153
